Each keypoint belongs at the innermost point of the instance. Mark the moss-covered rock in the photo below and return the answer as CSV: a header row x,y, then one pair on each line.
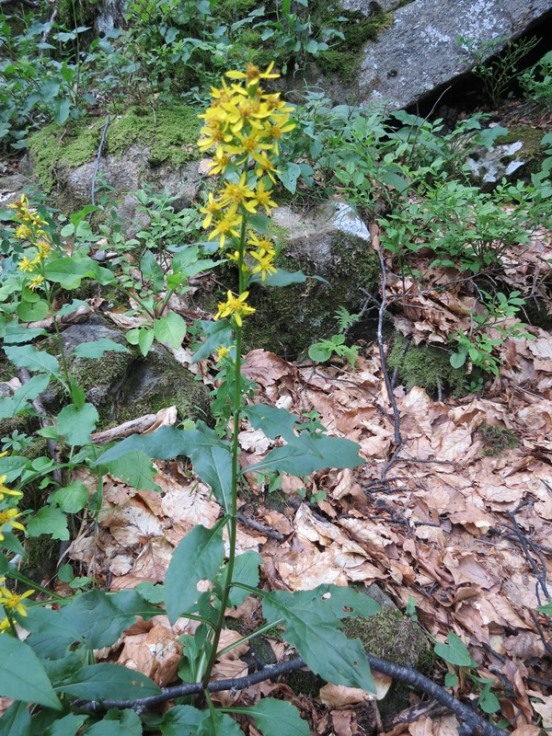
x,y
139,139
332,247
390,635
427,367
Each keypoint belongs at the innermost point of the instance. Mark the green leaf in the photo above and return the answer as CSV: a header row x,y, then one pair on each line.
x,y
76,425
16,721
306,454
215,334
272,421
61,110
12,405
97,348
145,340
283,278
209,454
135,468
181,720
95,619
170,330
246,571
34,312
14,332
117,723
454,651
320,353
288,176
278,718
488,702
71,499
547,609
68,272
103,681
311,627
48,520
22,676
216,723
152,271
458,359
198,557
27,356
67,726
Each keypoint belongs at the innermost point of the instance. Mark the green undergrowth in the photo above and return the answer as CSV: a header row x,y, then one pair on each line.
x,y
427,367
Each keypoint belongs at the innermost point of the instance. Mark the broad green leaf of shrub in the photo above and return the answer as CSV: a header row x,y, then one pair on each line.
x,y
117,723
304,454
76,425
27,356
16,721
454,651
170,330
272,421
67,726
181,720
198,557
104,680
311,627
22,676
49,521
278,718
32,312
97,348
95,619
10,406
135,468
72,498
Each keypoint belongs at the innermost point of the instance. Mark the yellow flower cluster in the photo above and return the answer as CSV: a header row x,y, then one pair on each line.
x,y
11,602
31,229
243,128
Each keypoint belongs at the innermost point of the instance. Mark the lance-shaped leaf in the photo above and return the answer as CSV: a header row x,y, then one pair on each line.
x,y
304,454
102,681
26,356
198,557
311,626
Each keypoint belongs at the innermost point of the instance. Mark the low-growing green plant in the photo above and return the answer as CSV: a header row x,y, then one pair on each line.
x,y
323,350
536,82
490,328
498,73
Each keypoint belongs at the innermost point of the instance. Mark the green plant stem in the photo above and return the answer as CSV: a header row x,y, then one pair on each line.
x,y
233,517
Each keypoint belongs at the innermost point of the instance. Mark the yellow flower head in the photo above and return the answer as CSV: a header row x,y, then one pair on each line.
x,y
13,602
4,625
212,207
6,492
264,245
262,198
253,74
23,232
228,226
235,194
222,353
8,516
264,265
235,307
36,282
22,205
26,265
44,249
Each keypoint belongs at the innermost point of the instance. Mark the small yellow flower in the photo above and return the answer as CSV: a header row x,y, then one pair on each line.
x,y
235,194
253,74
222,353
21,205
25,264
6,492
264,265
23,232
44,249
236,307
264,245
4,625
265,166
36,282
8,516
228,226
262,198
219,163
212,207
13,602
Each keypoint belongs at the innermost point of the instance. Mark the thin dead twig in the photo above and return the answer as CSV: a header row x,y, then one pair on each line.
x,y
260,527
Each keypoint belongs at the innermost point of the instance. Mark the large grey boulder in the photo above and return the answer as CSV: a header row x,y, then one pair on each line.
x,y
420,52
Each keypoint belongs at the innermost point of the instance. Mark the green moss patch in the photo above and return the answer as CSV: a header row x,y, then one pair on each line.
x,y
169,134
427,367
